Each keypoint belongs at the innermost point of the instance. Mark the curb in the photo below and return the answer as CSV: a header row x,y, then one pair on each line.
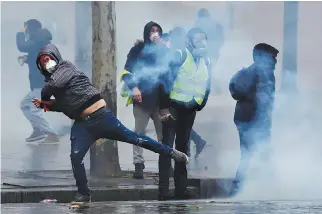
x,y
148,192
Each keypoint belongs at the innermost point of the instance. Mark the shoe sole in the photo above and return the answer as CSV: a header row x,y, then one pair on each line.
x,y
48,143
79,203
30,140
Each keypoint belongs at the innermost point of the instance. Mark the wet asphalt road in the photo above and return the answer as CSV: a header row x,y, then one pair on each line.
x,y
181,207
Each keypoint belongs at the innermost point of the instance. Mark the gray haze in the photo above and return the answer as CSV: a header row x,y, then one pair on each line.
x,y
296,139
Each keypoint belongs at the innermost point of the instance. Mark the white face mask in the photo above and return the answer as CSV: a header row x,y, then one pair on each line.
x,y
50,66
154,35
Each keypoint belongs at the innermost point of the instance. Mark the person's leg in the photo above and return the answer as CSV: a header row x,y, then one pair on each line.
x,y
141,117
158,128
26,106
38,120
168,133
157,124
246,141
184,125
81,140
199,142
106,125
263,148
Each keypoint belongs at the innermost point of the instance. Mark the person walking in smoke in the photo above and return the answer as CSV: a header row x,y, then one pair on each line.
x,y
29,41
254,90
184,91
215,33
213,30
78,99
141,76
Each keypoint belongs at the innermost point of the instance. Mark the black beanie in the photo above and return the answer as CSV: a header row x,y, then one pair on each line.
x,y
33,25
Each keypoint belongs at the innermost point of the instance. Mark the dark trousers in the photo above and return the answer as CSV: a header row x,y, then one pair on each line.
x,y
196,138
179,130
103,124
250,136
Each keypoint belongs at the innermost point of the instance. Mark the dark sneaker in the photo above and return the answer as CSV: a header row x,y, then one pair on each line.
x,y
81,199
183,195
138,174
36,136
235,188
164,195
199,148
179,156
51,139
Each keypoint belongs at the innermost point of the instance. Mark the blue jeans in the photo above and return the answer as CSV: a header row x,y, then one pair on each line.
x,y
35,115
103,124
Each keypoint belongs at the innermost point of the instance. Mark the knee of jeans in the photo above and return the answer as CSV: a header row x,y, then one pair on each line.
x,y
76,157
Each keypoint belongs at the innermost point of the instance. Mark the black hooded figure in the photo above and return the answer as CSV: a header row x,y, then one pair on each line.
x,y
143,67
254,90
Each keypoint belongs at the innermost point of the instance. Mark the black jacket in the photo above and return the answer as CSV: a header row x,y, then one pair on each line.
x,y
31,47
146,62
254,90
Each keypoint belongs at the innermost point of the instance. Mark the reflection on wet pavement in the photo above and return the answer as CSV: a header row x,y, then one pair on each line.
x,y
179,207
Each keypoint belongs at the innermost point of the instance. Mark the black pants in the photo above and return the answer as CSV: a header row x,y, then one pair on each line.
x,y
103,124
179,130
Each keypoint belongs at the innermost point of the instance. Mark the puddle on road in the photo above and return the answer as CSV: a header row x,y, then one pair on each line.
x,y
178,207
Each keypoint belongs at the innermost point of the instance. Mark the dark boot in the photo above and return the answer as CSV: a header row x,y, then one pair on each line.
x,y
183,195
80,199
138,174
165,195
235,188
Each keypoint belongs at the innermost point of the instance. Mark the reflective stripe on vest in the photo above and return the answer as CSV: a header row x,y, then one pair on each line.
x,y
191,82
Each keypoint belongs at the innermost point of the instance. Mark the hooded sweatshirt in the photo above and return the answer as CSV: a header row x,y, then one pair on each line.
x,y
71,88
146,62
31,47
254,90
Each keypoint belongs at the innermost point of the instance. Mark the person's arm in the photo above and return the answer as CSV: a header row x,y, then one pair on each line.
x,y
54,85
163,95
46,93
177,59
205,100
127,74
23,45
242,84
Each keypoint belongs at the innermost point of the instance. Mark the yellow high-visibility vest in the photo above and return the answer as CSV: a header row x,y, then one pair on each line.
x,y
191,81
125,90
